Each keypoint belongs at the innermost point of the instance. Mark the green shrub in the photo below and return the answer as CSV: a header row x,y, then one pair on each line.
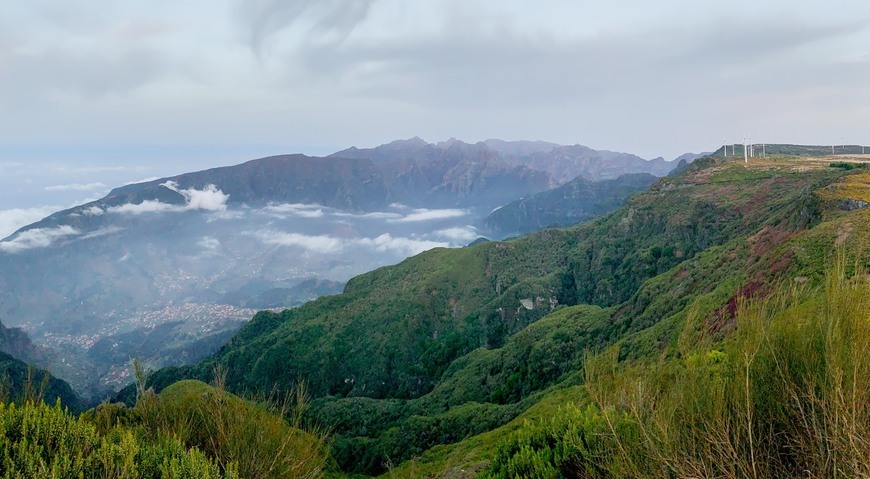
x,y
40,441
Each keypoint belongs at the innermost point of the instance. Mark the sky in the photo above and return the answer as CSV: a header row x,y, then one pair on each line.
x,y
96,94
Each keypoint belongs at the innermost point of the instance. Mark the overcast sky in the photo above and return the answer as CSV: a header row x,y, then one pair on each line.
x,y
131,83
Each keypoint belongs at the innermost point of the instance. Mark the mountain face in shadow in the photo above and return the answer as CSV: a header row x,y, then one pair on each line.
x,y
576,201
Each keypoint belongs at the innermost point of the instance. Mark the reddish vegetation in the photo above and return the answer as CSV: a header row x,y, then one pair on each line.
x,y
758,287
767,238
724,318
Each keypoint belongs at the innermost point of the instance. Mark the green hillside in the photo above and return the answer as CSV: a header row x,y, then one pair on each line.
x,y
452,344
19,381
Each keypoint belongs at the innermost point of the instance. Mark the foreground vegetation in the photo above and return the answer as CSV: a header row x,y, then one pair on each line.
x,y
191,430
789,396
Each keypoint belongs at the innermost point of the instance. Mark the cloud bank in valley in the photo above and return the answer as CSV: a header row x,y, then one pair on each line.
x,y
326,244
415,215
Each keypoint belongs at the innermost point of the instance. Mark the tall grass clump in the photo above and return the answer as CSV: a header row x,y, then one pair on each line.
x,y
256,440
788,396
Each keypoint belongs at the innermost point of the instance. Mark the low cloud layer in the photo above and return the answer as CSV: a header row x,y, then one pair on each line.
x,y
109,230
313,243
12,220
408,215
402,245
457,233
424,214
36,238
208,199
295,209
326,244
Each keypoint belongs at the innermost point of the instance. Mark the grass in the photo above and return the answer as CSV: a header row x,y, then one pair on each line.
x,y
788,396
855,186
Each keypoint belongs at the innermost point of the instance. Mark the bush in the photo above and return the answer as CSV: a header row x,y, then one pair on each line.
x,y
40,441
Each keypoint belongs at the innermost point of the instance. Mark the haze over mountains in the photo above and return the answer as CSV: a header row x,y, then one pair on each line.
x,y
166,270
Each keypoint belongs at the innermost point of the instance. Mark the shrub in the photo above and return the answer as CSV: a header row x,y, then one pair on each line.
x,y
40,441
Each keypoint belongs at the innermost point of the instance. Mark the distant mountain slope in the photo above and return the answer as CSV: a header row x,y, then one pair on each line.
x,y
15,342
519,148
17,377
337,182
576,201
565,163
449,174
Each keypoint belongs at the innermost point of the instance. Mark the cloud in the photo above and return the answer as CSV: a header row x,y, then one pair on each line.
x,y
296,209
76,187
36,238
376,215
324,22
466,233
93,211
315,243
14,219
208,199
209,243
147,206
226,215
109,230
408,246
424,214
328,244
624,75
